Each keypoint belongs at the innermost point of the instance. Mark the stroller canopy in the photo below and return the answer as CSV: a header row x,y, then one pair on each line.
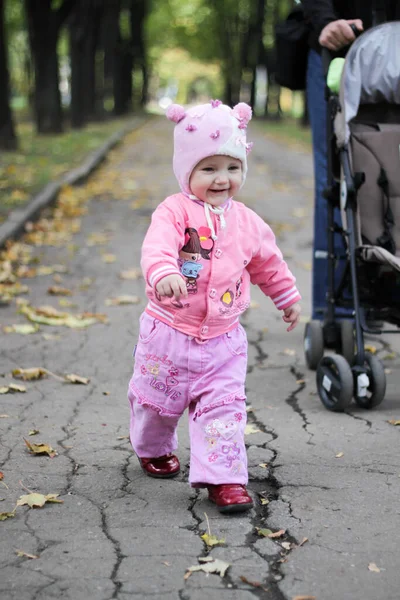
x,y
371,74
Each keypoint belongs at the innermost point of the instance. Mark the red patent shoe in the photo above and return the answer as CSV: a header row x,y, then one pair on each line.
x,y
230,497
162,466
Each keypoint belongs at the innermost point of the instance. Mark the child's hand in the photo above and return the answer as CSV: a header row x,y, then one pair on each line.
x,y
172,285
292,315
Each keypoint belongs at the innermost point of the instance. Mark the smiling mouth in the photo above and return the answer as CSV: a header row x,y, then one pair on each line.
x,y
219,191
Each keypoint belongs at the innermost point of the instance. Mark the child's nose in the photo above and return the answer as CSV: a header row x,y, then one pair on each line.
x,y
222,177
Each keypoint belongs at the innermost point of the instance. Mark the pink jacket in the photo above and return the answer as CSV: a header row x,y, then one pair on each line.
x,y
217,271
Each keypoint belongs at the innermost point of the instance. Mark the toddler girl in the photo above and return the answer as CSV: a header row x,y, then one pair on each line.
x,y
200,254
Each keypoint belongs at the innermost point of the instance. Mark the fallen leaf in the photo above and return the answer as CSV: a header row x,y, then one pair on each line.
x,y
167,564
277,534
72,378
29,374
130,274
370,349
37,500
286,545
106,393
255,584
394,422
263,465
12,387
57,290
390,356
254,304
303,541
304,598
109,258
1,475
289,352
51,336
65,303
41,448
339,455
22,328
300,381
3,416
250,428
211,540
21,553
123,437
372,567
269,533
264,501
7,515
121,300
97,239
33,432
217,566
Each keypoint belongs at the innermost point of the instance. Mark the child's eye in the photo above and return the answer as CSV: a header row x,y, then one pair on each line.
x,y
234,168
208,169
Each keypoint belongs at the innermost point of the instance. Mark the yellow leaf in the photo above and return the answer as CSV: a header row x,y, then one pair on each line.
x,y
264,501
370,349
286,545
95,239
32,500
17,388
304,598
263,465
24,554
29,374
72,378
339,455
130,274
211,540
41,448
6,515
250,428
262,532
35,499
4,389
372,567
33,432
394,422
22,328
122,300
57,290
109,258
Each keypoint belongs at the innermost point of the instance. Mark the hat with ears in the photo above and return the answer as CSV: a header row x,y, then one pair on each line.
x,y
206,130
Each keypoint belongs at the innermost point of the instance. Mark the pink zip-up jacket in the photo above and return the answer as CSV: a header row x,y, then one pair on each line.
x,y
217,272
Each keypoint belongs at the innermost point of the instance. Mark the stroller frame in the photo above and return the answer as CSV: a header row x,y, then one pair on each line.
x,y
352,372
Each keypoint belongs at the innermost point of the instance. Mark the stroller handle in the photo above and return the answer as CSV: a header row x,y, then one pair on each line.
x,y
327,55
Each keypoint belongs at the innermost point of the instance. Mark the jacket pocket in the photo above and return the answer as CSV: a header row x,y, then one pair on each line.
x,y
148,328
236,341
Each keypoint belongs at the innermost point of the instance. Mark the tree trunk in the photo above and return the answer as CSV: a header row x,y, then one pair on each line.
x,y
43,28
8,140
138,11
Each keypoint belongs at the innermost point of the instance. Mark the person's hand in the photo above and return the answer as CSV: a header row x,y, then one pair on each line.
x,y
172,285
292,315
338,34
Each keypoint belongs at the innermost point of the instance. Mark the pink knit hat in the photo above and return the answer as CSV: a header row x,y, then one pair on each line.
x,y
206,130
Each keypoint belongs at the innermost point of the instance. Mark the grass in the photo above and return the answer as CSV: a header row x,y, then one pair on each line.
x,y
288,131
41,159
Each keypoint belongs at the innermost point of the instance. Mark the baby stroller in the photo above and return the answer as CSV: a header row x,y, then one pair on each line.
x,y
364,182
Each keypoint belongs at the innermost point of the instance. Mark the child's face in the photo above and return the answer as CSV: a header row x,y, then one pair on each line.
x,y
216,178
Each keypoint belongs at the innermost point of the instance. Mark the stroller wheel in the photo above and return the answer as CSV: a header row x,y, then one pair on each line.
x,y
347,340
313,344
335,383
375,391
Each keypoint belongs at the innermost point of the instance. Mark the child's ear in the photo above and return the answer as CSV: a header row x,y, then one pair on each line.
x,y
175,113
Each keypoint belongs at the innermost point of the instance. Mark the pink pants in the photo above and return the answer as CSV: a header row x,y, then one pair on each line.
x,y
174,371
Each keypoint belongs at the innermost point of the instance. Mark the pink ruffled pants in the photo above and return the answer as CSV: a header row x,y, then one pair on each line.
x,y
173,372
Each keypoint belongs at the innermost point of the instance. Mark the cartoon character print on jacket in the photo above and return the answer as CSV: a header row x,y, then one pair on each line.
x,y
229,297
222,447
198,245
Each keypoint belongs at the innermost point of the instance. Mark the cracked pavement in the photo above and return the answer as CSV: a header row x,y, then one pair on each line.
x,y
119,534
